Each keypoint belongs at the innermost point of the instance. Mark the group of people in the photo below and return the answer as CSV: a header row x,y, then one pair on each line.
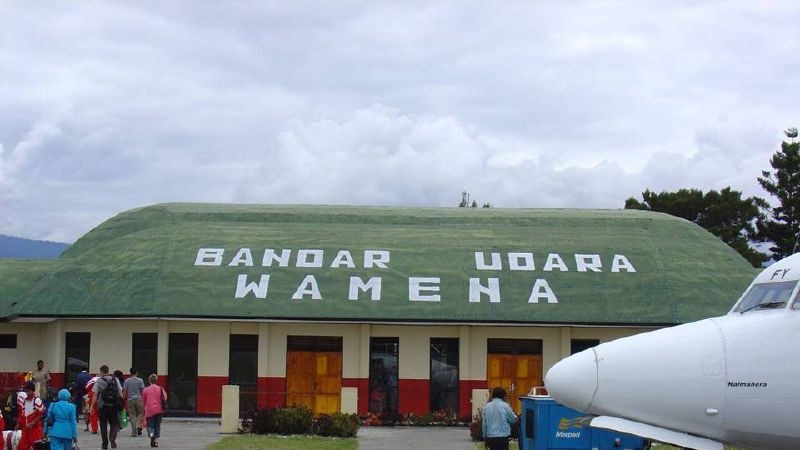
x,y
101,398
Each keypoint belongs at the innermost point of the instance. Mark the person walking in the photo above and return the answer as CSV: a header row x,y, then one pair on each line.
x,y
152,398
497,420
79,391
31,410
132,393
91,406
61,424
41,377
108,400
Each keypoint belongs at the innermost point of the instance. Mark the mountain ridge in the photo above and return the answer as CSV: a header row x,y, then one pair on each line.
x,y
13,247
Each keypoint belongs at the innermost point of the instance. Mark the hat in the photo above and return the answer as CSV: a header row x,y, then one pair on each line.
x,y
29,386
63,394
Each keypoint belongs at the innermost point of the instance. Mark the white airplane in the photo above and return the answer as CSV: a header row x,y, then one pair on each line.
x,y
729,379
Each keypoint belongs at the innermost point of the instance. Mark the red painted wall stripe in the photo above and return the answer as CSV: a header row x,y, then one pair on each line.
x,y
163,381
465,388
272,392
414,396
363,392
209,394
57,380
11,380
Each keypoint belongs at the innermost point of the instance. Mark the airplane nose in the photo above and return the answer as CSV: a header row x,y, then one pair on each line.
x,y
573,380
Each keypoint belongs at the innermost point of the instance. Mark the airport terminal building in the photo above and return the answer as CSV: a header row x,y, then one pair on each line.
x,y
355,309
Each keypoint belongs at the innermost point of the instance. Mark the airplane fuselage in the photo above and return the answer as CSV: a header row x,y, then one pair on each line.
x,y
730,378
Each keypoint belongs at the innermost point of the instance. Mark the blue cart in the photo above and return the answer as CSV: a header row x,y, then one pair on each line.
x,y
548,425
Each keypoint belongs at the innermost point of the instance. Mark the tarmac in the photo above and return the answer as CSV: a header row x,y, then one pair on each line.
x,y
198,433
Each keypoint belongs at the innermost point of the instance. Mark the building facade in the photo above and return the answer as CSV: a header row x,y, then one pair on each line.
x,y
355,309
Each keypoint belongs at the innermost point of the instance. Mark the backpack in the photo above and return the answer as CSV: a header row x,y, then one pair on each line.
x,y
110,394
10,413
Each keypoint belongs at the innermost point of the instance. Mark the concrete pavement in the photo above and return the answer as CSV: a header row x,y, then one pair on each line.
x,y
198,433
176,433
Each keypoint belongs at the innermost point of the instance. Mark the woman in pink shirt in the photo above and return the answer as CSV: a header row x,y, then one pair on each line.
x,y
152,396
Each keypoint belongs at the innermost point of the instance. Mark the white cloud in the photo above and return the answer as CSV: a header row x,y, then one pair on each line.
x,y
111,105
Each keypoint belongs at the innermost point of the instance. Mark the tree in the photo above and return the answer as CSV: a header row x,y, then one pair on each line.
x,y
686,203
783,225
724,214
465,202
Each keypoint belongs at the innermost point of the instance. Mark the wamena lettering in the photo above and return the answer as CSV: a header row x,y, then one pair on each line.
x,y
420,289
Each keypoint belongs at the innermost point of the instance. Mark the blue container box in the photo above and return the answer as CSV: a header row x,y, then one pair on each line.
x,y
548,425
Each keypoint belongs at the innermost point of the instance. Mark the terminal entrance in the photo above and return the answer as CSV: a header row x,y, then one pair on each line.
x,y
182,367
314,373
515,365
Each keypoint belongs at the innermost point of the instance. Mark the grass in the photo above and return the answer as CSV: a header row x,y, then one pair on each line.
x,y
255,442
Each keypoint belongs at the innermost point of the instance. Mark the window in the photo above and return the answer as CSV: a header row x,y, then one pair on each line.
x,y
8,341
529,424
76,354
144,354
314,343
243,368
383,374
767,296
514,346
182,367
444,374
579,345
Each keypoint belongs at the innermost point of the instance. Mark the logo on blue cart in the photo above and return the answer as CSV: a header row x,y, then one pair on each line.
x,y
576,422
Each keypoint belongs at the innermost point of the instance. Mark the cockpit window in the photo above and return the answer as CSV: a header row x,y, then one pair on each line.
x,y
767,296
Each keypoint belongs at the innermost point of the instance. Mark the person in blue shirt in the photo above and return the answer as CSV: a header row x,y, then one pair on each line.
x,y
61,424
79,391
497,420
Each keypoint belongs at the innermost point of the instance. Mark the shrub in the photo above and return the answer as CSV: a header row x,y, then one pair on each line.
x,y
323,425
476,427
390,418
416,420
345,425
372,419
294,420
515,430
290,420
444,417
262,421
299,420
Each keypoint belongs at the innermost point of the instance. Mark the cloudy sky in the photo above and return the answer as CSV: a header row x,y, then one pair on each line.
x,y
106,106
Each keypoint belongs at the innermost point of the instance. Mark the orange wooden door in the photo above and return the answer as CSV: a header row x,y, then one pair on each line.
x,y
517,374
314,379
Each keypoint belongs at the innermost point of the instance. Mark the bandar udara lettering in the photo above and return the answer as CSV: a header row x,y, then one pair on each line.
x,y
420,289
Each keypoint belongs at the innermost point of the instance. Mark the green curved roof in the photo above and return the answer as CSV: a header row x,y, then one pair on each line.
x,y
654,269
